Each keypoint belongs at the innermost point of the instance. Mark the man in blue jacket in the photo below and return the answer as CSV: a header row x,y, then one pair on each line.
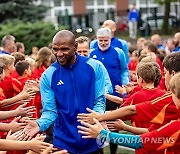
x,y
8,44
114,61
133,18
68,87
116,42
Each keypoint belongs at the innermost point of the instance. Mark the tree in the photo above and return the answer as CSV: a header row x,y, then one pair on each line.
x,y
167,5
31,34
25,10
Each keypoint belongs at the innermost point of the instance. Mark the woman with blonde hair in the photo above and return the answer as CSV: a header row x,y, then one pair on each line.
x,y
42,62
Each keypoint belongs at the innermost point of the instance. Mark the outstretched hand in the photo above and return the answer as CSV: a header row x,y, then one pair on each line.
x,y
116,125
88,117
25,111
31,129
120,90
90,131
16,124
37,145
17,136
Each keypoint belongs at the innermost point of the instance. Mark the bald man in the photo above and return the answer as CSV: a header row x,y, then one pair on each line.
x,y
177,42
68,87
156,39
116,42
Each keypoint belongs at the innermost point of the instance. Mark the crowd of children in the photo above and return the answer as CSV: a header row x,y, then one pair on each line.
x,y
151,100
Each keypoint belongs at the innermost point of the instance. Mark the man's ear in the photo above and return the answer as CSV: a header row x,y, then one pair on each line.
x,y
113,29
75,46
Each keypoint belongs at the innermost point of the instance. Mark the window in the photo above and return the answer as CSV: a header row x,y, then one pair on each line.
x,y
57,2
100,2
68,2
132,1
90,11
100,10
89,2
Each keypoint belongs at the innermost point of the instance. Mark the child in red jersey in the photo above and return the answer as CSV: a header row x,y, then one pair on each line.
x,y
42,62
166,137
24,72
14,125
31,63
18,57
10,86
146,74
133,64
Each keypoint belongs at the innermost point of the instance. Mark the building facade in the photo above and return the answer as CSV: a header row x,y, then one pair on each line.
x,y
84,13
92,13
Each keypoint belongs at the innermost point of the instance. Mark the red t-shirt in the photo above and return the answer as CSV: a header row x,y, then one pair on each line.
x,y
160,65
160,110
142,96
14,74
36,101
132,65
10,86
2,97
166,137
22,80
38,72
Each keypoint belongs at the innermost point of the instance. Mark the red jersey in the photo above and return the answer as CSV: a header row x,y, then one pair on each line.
x,y
22,80
36,101
160,65
160,110
142,96
2,97
136,89
132,65
38,72
14,74
10,86
166,137
162,83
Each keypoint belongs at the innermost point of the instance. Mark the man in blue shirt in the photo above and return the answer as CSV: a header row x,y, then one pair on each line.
x,y
156,39
116,42
68,87
8,44
133,17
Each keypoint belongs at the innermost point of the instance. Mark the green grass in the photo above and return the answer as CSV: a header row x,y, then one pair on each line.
x,y
119,151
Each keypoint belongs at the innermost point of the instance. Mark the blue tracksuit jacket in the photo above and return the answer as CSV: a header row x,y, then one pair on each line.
x,y
115,62
67,91
115,42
